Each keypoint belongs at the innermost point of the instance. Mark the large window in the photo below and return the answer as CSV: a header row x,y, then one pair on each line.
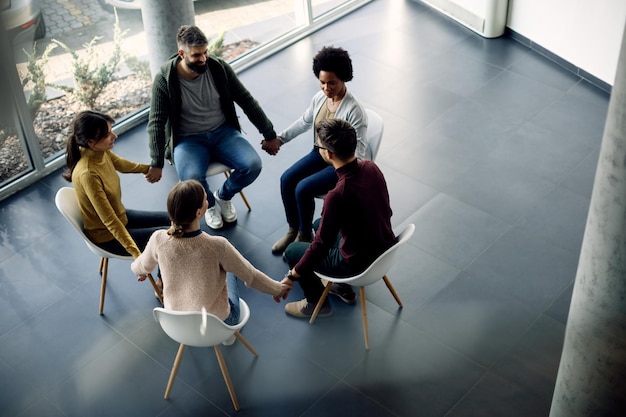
x,y
73,55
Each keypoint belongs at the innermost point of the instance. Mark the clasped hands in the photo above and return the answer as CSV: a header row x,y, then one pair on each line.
x,y
287,285
271,146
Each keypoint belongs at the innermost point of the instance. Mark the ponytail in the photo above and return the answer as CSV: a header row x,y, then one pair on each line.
x,y
176,230
87,125
183,202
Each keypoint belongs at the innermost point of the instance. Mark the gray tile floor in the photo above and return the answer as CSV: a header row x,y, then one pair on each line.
x,y
489,149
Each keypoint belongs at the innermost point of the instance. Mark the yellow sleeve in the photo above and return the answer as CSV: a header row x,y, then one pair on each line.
x,y
94,190
125,166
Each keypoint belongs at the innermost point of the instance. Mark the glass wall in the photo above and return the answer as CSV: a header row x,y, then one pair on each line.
x,y
72,55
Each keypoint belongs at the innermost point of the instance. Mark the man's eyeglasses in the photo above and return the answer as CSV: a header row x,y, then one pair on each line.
x,y
318,147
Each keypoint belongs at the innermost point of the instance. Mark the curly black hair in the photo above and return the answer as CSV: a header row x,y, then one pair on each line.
x,y
335,60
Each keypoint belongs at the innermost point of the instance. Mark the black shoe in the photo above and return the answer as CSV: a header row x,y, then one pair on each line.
x,y
344,292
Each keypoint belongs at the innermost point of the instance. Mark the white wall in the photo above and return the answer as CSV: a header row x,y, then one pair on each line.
x,y
586,33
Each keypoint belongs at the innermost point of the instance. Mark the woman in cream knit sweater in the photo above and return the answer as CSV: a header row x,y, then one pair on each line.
x,y
197,269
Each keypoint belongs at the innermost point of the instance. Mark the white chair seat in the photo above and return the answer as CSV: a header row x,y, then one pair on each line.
x,y
216,168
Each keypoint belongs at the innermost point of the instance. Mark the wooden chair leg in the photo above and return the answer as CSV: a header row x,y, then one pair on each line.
x,y
243,196
318,307
157,290
245,200
104,270
179,357
392,290
245,342
229,384
364,314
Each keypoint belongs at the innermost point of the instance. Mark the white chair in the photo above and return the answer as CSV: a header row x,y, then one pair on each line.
x,y
188,329
375,272
216,168
375,128
67,204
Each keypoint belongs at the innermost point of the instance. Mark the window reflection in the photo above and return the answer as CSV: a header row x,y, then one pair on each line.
x,y
61,36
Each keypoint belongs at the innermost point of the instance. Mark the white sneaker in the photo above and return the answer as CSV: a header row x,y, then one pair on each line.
x,y
229,214
213,218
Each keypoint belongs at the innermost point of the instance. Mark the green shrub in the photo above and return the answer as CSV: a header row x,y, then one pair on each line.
x,y
91,76
36,78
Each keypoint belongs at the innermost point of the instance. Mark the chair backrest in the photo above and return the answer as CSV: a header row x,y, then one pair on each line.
x,y
67,204
381,265
186,327
375,127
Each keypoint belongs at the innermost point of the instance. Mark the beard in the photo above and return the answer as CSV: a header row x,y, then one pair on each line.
x,y
196,67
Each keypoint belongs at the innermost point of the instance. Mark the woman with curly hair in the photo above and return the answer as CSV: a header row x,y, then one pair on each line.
x,y
311,175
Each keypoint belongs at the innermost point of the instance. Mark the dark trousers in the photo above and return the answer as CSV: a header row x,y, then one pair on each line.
x,y
141,225
300,184
333,265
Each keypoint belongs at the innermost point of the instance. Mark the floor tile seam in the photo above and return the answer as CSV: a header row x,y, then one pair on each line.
x,y
46,396
494,214
546,311
504,357
463,268
356,389
558,179
451,349
24,321
556,242
500,356
538,311
467,393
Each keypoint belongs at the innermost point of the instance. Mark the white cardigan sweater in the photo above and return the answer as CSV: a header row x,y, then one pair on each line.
x,y
349,109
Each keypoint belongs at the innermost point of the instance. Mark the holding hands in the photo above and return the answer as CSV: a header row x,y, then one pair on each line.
x,y
154,175
271,146
286,286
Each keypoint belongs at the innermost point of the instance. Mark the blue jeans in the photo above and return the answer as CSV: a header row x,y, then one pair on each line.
x,y
141,225
309,177
226,145
233,299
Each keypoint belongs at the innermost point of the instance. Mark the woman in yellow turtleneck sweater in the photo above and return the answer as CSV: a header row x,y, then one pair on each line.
x,y
93,167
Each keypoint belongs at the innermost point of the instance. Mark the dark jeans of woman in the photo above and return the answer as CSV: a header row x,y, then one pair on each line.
x,y
141,225
309,177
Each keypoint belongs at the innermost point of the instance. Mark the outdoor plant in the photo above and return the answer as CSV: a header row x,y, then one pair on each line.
x,y
36,78
216,48
91,76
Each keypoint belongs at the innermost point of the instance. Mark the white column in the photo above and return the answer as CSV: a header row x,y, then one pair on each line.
x,y
592,373
161,20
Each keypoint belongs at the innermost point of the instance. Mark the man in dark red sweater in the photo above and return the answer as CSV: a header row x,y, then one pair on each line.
x,y
355,226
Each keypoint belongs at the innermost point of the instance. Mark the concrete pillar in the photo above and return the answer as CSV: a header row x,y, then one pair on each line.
x,y
161,20
592,373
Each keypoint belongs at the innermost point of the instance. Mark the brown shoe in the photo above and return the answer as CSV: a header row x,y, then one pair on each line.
x,y
282,243
304,309
304,237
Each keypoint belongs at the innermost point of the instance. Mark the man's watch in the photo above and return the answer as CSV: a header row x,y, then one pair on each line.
x,y
288,275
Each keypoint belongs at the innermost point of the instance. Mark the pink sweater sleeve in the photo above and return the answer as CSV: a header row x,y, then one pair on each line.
x,y
234,262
